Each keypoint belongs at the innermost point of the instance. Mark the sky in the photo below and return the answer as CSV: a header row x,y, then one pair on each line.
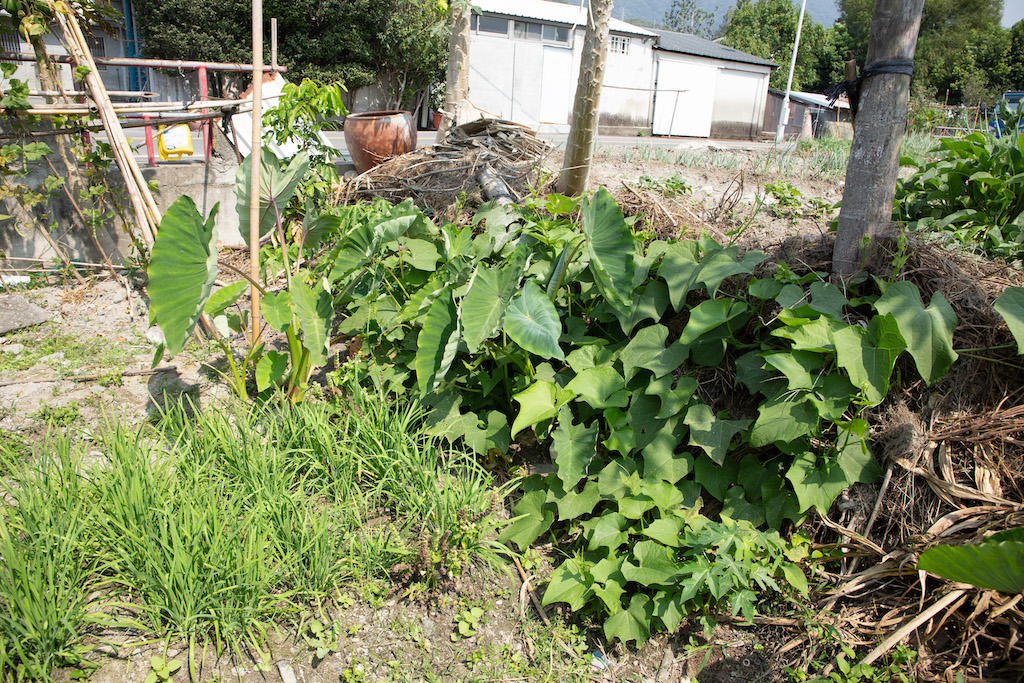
x,y
1013,11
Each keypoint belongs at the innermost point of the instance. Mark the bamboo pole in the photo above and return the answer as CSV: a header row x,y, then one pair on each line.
x,y
133,108
254,165
144,205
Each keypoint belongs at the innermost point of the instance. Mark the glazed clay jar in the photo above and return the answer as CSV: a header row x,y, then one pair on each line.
x,y
373,137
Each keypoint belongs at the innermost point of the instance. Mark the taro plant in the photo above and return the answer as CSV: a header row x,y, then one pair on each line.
x,y
971,190
997,562
183,268
654,375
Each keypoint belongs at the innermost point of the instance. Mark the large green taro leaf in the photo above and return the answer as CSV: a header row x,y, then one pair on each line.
x,y
484,305
277,182
994,563
437,343
314,309
927,331
573,446
1010,305
611,247
182,269
532,322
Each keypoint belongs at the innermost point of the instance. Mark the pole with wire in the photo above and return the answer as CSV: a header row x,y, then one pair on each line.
x,y
254,165
784,118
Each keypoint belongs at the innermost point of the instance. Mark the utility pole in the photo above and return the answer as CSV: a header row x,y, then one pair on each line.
x,y
882,118
784,117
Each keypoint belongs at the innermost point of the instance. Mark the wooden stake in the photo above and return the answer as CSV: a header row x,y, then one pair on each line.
x,y
254,165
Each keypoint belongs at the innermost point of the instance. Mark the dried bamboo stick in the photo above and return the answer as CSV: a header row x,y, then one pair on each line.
x,y
142,200
142,108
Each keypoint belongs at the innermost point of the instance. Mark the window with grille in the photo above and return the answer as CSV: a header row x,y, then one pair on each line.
x,y
98,47
485,24
620,44
10,42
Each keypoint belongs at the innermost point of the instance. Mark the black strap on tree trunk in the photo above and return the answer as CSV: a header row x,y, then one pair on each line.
x,y
852,88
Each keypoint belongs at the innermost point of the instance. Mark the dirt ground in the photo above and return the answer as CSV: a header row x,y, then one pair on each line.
x,y
96,368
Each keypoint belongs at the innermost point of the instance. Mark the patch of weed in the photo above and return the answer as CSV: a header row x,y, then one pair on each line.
x,y
79,351
58,415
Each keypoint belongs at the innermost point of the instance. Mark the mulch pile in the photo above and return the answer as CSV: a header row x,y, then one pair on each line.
x,y
444,177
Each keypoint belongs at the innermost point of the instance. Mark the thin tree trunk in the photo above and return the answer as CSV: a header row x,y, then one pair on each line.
x,y
874,157
457,85
51,83
579,148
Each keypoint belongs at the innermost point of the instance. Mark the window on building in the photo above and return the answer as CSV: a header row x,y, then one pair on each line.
x,y
556,34
9,42
526,30
98,47
620,44
485,24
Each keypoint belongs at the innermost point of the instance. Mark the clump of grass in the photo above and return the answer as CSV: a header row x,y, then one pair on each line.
x,y
48,573
58,416
210,529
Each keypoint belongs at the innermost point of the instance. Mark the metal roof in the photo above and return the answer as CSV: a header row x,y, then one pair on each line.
x,y
555,12
689,44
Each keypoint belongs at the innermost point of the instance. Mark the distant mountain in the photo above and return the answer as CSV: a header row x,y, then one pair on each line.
x,y
824,12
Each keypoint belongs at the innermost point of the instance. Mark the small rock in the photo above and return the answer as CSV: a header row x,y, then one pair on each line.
x,y
155,336
285,669
52,358
14,349
118,297
16,312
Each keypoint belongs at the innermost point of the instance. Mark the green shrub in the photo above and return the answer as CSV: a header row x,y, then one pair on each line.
x,y
653,374
971,191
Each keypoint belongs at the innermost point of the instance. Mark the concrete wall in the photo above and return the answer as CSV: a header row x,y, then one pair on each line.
x,y
628,84
207,185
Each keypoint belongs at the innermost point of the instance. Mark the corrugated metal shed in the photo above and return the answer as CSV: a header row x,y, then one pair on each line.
x,y
689,44
554,12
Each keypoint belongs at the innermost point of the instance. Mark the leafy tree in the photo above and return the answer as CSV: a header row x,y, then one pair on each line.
x,y
961,49
767,28
358,42
686,16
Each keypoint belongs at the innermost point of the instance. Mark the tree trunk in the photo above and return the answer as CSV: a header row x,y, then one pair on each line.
x,y
874,157
579,148
457,85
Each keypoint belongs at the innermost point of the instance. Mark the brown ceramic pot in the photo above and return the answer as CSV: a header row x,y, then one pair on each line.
x,y
373,137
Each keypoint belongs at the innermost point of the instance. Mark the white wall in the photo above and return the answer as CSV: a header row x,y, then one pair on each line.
x,y
533,82
685,96
740,101
628,83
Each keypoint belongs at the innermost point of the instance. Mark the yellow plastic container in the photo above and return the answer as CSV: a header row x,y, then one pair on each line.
x,y
174,142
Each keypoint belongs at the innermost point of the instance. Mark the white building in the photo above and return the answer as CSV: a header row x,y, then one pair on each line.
x,y
703,89
524,63
525,59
